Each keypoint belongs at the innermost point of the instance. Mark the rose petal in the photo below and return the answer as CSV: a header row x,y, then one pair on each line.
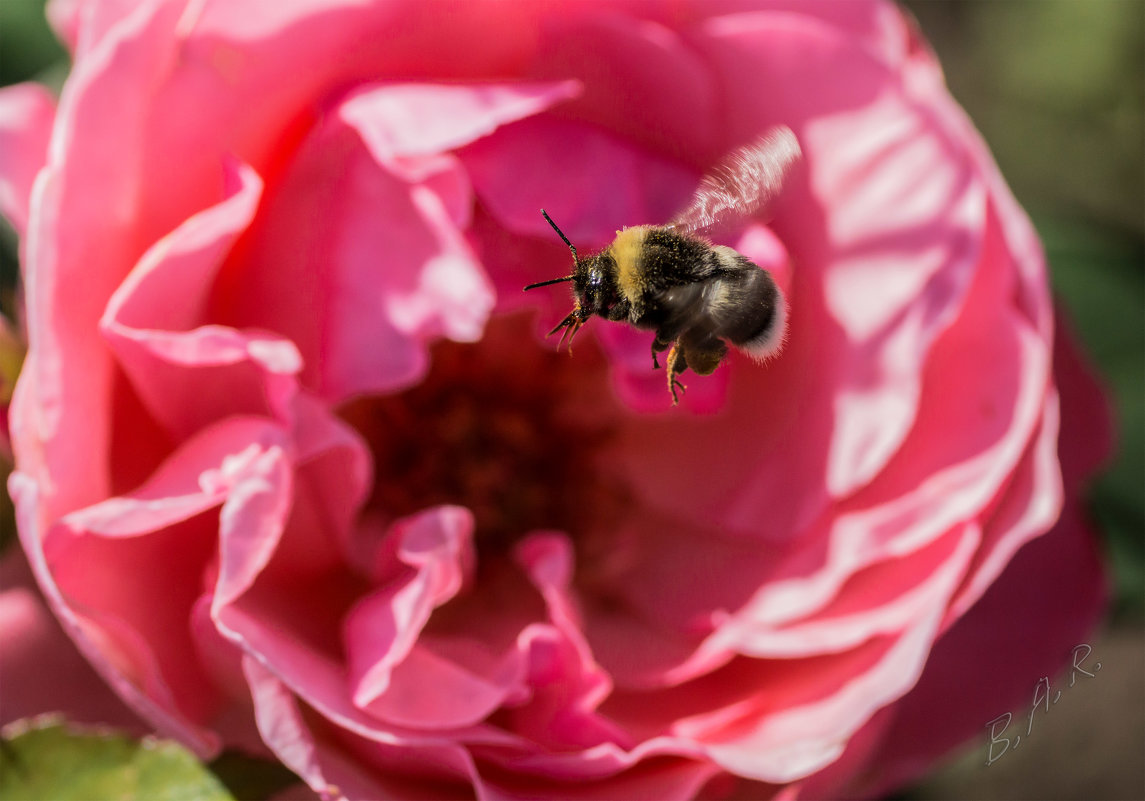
x,y
1053,591
60,419
27,112
1045,603
380,231
170,287
882,599
963,472
43,671
251,522
793,739
1029,506
382,629
164,523
94,638
401,120
625,62
661,779
593,182
82,24
429,691
480,646
326,770
150,323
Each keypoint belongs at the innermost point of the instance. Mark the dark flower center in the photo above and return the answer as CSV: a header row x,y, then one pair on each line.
x,y
506,427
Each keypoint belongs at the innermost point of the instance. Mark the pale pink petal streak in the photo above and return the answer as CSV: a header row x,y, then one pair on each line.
x,y
27,112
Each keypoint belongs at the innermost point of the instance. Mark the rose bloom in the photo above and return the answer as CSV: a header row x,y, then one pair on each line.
x,y
299,474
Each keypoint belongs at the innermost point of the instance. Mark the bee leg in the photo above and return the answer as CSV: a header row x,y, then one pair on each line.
x,y
677,364
705,350
658,346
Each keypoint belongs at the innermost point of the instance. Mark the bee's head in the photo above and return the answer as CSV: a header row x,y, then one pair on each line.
x,y
593,286
589,280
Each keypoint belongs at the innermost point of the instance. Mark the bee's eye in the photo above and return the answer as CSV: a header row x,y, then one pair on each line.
x,y
592,289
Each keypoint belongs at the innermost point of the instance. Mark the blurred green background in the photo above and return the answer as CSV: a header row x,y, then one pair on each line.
x,y
1057,88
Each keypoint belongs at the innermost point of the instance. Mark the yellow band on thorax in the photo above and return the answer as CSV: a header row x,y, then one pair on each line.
x,y
626,252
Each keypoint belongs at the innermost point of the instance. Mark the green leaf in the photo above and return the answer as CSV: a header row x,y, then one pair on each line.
x,y
47,759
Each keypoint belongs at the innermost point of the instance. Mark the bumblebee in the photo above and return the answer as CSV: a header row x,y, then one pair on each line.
x,y
699,298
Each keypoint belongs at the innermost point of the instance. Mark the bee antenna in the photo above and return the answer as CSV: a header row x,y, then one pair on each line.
x,y
550,281
560,233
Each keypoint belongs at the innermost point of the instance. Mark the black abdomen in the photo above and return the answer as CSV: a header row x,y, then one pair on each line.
x,y
750,306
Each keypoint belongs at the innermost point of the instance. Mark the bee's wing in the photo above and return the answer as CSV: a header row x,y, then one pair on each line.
x,y
742,183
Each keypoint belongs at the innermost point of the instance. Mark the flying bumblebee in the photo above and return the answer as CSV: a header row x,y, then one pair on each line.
x,y
699,298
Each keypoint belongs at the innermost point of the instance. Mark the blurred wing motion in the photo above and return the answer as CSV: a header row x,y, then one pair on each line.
x,y
742,183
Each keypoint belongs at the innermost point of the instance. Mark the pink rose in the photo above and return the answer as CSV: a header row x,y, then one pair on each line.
x,y
298,472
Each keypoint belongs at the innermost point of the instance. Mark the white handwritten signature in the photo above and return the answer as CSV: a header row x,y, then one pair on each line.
x,y
1041,700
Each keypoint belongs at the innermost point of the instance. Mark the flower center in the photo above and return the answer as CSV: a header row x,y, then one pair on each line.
x,y
508,428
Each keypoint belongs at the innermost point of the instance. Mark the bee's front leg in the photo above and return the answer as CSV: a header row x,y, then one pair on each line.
x,y
676,365
658,346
